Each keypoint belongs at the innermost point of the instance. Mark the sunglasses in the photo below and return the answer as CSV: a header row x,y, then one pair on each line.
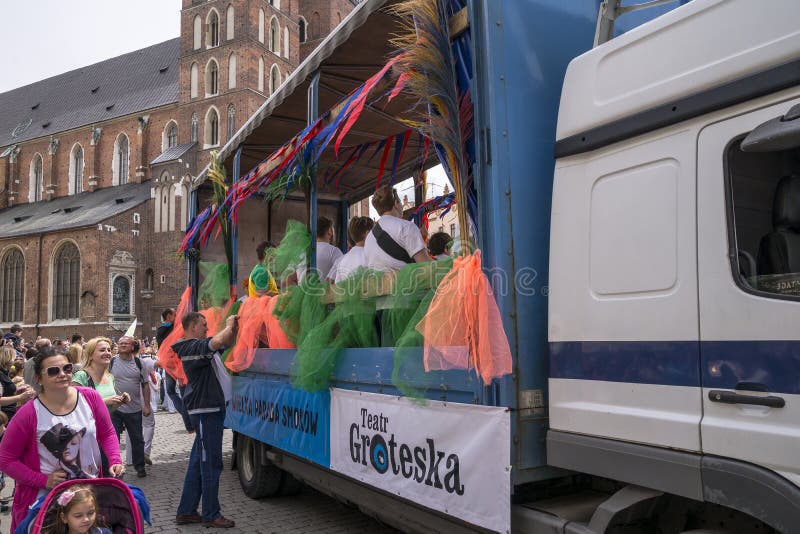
x,y
55,370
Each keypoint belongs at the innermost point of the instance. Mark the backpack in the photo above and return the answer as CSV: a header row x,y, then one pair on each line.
x,y
135,359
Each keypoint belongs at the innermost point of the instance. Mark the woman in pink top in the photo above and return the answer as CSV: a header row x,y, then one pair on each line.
x,y
57,436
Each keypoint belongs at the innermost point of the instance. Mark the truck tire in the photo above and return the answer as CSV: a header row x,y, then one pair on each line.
x,y
290,485
257,481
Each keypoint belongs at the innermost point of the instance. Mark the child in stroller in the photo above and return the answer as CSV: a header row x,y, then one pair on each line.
x,y
89,506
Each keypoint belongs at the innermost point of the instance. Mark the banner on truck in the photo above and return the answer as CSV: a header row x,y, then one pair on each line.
x,y
290,419
450,457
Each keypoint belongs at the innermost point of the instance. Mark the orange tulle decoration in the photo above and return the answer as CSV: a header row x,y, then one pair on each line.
x,y
463,328
166,356
256,325
251,332
276,337
215,317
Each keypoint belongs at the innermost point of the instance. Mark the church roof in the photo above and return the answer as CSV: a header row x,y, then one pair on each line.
x,y
74,211
173,153
130,83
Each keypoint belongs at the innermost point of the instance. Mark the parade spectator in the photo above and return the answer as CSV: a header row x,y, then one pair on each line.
x,y
131,378
75,355
393,242
77,513
439,245
261,281
28,373
148,421
357,232
164,329
11,393
72,421
207,392
14,335
94,372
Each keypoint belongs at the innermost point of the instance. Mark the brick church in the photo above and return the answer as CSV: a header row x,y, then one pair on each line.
x,y
95,163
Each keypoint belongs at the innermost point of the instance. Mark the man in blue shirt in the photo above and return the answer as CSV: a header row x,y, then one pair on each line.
x,y
205,395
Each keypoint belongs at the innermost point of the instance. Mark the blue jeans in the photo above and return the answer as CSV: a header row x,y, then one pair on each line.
x,y
177,401
205,466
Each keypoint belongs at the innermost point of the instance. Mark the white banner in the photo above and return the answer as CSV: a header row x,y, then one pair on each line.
x,y
450,457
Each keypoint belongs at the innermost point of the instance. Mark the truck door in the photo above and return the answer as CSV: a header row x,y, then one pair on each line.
x,y
749,293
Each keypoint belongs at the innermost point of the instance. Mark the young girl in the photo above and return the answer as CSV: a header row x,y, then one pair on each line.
x,y
77,513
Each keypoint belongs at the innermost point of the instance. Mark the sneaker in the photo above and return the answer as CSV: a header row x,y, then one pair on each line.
x,y
186,519
147,459
141,474
219,522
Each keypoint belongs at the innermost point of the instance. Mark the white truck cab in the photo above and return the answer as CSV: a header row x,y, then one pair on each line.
x,y
674,304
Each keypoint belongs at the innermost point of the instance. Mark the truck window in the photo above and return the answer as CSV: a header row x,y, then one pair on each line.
x,y
764,220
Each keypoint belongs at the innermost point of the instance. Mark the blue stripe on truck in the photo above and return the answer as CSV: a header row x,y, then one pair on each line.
x,y
721,364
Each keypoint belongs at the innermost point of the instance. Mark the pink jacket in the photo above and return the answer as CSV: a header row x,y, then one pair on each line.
x,y
19,455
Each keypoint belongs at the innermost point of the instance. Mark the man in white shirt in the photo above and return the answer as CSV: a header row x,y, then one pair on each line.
x,y
357,231
393,242
327,254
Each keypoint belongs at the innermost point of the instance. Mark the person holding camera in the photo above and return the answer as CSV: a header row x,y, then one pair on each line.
x,y
131,379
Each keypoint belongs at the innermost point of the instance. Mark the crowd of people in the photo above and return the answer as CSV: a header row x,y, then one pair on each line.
x,y
86,395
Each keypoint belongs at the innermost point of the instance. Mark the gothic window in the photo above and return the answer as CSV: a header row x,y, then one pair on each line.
x,y
66,281
170,138
229,23
286,41
338,18
303,26
231,121
261,74
261,25
121,296
274,36
36,174
198,35
212,127
213,28
275,3
193,81
232,71
76,170
274,79
12,286
194,127
315,31
121,159
212,78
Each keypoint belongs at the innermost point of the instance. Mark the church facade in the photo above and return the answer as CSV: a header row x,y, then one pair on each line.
x,y
95,164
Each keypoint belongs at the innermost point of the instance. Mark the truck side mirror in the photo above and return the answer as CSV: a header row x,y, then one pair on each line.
x,y
780,133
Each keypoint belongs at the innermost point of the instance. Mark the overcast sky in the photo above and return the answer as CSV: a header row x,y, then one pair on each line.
x,y
42,38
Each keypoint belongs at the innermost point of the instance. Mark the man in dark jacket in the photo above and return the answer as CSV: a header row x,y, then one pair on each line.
x,y
205,395
14,335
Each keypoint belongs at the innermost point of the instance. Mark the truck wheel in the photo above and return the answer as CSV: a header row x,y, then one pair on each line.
x,y
290,485
257,481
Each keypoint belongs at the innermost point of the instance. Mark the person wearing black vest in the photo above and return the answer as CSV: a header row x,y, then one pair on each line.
x,y
207,391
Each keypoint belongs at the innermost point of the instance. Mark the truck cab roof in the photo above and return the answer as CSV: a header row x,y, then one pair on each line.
x,y
668,67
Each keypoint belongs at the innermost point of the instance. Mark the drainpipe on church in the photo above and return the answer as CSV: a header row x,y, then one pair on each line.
x,y
39,288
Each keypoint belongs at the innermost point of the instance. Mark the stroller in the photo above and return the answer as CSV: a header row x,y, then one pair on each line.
x,y
121,508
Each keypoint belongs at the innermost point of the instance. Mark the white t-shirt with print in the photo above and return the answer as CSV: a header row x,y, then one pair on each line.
x,y
349,264
68,442
405,233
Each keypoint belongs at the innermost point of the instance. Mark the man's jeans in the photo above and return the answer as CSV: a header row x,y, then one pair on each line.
x,y
132,422
177,401
205,466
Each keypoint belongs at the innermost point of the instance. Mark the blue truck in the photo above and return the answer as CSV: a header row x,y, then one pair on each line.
x,y
635,175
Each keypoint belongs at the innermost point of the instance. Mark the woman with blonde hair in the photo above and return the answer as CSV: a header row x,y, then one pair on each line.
x,y
94,372
11,393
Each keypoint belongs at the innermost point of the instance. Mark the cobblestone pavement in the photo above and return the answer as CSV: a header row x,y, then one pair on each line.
x,y
310,511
